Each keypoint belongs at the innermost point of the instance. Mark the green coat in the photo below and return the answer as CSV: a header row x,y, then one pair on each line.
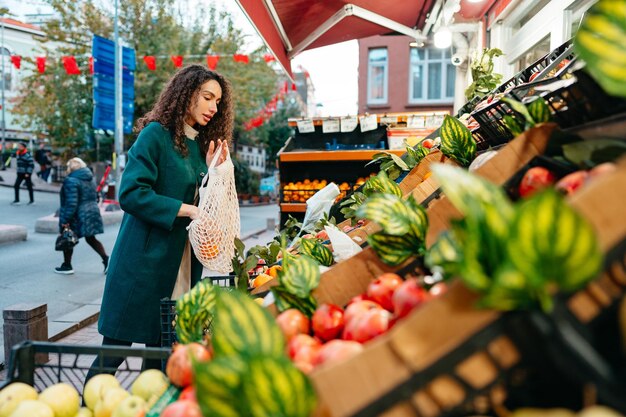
x,y
147,254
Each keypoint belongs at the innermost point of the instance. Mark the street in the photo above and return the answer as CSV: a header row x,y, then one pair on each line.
x,y
27,268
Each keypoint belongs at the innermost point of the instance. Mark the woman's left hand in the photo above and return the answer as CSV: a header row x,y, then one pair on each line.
x,y
212,151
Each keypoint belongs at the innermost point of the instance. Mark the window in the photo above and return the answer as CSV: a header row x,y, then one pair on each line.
x,y
377,75
431,76
7,76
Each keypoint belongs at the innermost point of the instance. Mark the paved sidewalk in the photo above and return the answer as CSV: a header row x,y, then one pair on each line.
x,y
9,175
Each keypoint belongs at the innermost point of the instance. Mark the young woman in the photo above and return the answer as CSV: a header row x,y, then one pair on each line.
x,y
158,194
25,167
79,210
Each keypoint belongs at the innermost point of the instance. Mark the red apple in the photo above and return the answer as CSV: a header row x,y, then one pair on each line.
x,y
188,393
381,289
303,348
322,235
182,408
572,182
356,298
328,322
178,368
357,308
368,325
337,350
536,178
293,322
408,296
428,143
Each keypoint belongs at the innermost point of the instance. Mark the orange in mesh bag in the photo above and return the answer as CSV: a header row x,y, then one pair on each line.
x,y
212,235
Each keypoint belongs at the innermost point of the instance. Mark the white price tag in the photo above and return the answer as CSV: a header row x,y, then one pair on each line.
x,y
348,124
305,126
438,120
388,120
368,123
330,125
415,122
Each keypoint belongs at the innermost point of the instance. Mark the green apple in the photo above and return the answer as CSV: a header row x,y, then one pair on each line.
x,y
133,406
150,385
62,398
32,408
105,407
13,394
96,388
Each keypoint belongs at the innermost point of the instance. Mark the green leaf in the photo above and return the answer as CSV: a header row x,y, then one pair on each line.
x,y
513,125
457,141
300,276
593,152
539,110
399,162
520,108
394,250
444,253
389,211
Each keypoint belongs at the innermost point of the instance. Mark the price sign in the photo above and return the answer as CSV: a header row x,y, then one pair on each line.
x,y
388,120
416,122
330,125
305,126
348,124
368,123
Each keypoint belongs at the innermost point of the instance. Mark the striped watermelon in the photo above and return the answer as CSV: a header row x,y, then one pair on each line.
x,y
457,141
218,385
242,327
389,211
539,110
194,311
381,184
317,251
601,43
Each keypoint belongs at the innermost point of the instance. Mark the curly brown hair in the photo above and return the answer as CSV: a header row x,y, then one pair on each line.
x,y
173,103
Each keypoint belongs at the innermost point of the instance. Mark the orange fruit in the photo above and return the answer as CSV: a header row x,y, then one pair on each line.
x,y
273,271
261,279
208,251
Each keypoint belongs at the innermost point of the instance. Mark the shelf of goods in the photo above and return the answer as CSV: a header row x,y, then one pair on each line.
x,y
306,166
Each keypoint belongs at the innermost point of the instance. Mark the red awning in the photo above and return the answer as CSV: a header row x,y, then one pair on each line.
x,y
289,27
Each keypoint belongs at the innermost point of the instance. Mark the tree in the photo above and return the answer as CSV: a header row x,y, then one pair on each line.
x,y
275,131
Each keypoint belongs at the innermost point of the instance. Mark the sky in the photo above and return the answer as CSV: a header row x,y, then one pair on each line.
x,y
333,69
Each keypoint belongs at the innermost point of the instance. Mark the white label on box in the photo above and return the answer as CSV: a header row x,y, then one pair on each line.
x,y
388,120
330,125
415,122
348,124
305,126
368,123
438,121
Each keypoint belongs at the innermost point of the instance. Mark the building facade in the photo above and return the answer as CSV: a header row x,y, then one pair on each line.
x,y
254,155
19,39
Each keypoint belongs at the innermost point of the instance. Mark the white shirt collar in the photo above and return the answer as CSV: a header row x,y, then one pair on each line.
x,y
190,132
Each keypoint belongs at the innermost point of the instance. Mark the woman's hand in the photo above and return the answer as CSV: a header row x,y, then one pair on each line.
x,y
188,210
212,150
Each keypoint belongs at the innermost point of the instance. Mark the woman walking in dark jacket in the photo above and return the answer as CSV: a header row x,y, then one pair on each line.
x,y
25,167
79,210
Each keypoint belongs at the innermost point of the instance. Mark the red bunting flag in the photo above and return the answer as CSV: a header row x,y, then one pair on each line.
x,y
16,60
293,87
150,61
211,61
41,64
177,60
284,88
269,58
241,58
71,67
91,65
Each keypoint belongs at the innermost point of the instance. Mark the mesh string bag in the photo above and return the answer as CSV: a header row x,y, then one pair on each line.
x,y
212,235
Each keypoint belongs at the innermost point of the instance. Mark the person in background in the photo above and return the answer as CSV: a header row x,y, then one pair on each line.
x,y
46,165
25,167
80,211
39,158
177,140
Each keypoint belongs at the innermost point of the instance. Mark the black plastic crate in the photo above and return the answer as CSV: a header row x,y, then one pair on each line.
x,y
42,364
168,312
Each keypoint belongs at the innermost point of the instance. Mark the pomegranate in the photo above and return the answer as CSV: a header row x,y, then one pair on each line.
x,y
189,393
337,350
322,235
357,308
303,348
178,368
293,322
535,179
428,143
182,408
408,296
572,182
381,289
328,322
368,325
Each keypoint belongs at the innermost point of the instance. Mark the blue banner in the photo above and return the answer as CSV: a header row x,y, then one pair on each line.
x,y
103,52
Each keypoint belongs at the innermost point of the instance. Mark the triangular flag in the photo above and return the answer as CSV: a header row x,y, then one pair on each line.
x,y
177,60
285,87
293,87
150,61
211,61
269,58
69,62
41,64
91,65
16,60
241,58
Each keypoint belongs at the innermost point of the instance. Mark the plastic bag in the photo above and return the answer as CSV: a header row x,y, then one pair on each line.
x,y
343,246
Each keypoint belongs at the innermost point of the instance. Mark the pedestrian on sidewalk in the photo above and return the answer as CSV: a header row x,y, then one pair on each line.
x,y
41,157
80,211
158,193
25,167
